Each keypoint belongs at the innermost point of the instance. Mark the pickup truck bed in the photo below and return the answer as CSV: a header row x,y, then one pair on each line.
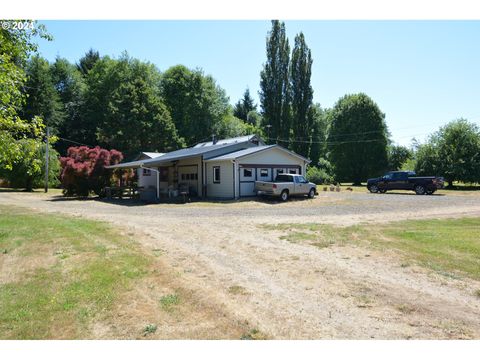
x,y
286,185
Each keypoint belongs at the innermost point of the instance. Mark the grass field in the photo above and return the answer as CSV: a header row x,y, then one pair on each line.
x,y
63,278
62,273
450,247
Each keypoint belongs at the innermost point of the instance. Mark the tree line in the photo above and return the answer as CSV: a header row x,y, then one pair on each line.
x,y
130,105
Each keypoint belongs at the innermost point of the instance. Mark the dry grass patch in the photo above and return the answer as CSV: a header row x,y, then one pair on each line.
x,y
450,247
237,290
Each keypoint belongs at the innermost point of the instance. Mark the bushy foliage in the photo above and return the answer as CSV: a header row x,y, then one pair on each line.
x,y
397,156
319,176
16,45
195,102
322,173
357,138
452,152
83,169
28,170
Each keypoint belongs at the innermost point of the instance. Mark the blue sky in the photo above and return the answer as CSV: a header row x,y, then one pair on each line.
x,y
422,74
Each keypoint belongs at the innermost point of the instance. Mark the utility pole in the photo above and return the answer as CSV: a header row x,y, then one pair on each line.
x,y
46,159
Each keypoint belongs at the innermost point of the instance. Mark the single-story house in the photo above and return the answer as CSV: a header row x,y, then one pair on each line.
x,y
223,169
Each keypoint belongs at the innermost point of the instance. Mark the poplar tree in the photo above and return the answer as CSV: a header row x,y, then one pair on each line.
x,y
302,96
275,85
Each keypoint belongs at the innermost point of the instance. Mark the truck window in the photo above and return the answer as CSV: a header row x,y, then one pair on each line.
x,y
283,178
301,179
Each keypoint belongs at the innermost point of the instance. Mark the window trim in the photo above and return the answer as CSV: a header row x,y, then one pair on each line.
x,y
215,180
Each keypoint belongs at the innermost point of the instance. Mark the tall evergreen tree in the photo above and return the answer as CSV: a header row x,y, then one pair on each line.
x,y
302,96
42,99
87,62
244,106
70,86
275,85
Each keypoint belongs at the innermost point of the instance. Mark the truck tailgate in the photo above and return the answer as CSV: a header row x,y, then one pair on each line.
x,y
264,186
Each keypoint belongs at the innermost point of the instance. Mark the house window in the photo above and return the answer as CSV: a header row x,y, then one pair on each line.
x,y
183,176
292,171
247,173
279,171
216,174
263,172
146,172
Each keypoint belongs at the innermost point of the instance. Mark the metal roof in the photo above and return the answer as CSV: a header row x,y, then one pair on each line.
x,y
189,152
242,153
152,155
235,140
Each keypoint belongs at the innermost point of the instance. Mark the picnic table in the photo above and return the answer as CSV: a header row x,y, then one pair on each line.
x,y
121,192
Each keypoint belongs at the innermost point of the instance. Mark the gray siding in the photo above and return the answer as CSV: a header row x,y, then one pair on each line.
x,y
225,188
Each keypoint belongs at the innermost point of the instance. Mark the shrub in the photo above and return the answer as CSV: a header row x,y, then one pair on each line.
x,y
28,171
319,176
83,169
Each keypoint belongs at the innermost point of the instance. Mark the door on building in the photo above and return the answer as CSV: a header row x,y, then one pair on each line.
x,y
247,181
188,176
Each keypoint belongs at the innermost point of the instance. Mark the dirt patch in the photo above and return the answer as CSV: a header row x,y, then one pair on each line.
x,y
295,290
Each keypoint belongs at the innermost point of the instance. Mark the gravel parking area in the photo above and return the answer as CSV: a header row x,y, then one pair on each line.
x,y
294,291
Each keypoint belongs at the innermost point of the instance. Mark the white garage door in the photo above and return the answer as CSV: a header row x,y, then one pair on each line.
x,y
247,189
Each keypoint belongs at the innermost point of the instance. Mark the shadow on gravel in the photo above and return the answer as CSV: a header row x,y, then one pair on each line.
x,y
406,193
72,198
177,201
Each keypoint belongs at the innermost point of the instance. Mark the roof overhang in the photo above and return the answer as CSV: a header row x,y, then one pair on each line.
x,y
232,156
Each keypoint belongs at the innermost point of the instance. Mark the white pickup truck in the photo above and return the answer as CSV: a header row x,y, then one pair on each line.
x,y
286,185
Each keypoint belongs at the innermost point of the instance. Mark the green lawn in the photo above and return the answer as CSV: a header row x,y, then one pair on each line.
x,y
450,247
64,273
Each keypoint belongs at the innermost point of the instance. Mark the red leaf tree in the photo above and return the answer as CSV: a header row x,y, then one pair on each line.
x,y
83,169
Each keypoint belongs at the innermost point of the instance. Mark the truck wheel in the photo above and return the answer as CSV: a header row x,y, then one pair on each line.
x,y
430,192
284,195
382,191
373,188
420,190
311,193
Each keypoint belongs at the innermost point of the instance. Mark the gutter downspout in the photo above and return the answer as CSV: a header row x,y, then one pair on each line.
x,y
235,177
158,179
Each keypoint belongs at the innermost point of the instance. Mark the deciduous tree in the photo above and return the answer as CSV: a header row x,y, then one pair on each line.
x,y
452,152
302,96
357,139
83,170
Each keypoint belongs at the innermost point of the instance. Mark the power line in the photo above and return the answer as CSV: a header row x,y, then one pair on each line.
x,y
74,142
327,142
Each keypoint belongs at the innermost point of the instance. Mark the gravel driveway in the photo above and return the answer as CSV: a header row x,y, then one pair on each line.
x,y
294,291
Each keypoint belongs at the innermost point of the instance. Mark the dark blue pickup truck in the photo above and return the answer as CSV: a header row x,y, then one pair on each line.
x,y
405,180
